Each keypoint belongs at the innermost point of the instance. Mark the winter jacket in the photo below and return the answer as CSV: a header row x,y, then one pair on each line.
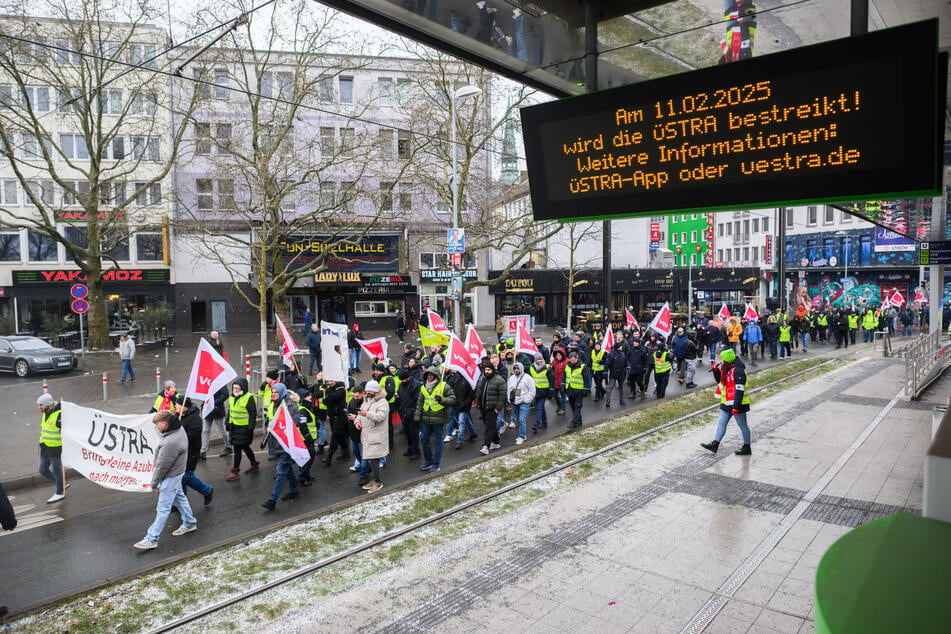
x,y
410,380
374,435
490,394
690,350
637,358
463,393
753,334
191,423
677,345
616,362
242,434
8,519
713,335
439,416
313,340
127,349
771,331
221,397
558,363
171,453
522,387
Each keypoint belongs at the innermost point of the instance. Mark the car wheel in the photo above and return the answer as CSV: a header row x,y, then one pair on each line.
x,y
22,368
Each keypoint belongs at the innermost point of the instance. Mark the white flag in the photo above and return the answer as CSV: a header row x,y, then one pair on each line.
x,y
284,429
288,347
334,351
210,372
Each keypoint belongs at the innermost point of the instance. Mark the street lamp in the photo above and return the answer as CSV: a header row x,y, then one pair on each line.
x,y
460,93
845,234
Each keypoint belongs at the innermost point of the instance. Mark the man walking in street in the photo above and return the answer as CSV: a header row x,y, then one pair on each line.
x,y
169,461
734,401
51,445
127,354
432,412
577,380
521,391
313,344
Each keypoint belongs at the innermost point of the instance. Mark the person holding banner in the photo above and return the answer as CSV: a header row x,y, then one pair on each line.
x,y
432,412
168,400
374,439
354,346
285,465
169,462
51,446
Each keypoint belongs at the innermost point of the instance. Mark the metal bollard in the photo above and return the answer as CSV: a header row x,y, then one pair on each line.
x,y
242,355
166,356
46,386
158,380
105,386
247,367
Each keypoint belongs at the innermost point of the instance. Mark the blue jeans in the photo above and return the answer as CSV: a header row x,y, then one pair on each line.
x,y
772,348
520,413
356,450
906,330
285,471
464,420
314,360
713,353
51,468
355,360
189,479
541,417
170,494
740,418
805,341
322,431
784,350
451,425
427,434
127,370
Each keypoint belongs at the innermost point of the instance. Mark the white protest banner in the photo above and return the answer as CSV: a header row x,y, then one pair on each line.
x,y
334,351
114,451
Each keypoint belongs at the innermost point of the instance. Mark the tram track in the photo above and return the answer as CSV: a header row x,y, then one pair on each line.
x,y
464,506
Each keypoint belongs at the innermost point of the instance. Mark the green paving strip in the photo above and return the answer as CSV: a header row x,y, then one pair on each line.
x,y
132,605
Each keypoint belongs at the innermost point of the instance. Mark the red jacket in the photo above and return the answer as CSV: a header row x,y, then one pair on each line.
x,y
558,363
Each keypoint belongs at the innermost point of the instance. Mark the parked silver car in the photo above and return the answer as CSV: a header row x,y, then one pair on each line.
x,y
32,355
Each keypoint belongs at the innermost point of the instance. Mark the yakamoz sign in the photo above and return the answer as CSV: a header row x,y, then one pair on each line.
x,y
44,277
372,253
114,451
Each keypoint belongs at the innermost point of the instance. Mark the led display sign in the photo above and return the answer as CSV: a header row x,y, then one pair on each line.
x,y
843,120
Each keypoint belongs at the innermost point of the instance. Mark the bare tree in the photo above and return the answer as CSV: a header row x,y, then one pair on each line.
x,y
280,154
85,128
574,239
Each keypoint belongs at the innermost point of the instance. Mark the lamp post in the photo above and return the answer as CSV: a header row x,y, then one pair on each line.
x,y
460,93
844,234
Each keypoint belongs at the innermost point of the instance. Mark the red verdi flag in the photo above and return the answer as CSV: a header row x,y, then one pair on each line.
x,y
724,312
661,321
608,344
288,347
459,359
436,323
919,296
285,431
473,344
210,372
897,299
375,348
524,341
631,322
750,314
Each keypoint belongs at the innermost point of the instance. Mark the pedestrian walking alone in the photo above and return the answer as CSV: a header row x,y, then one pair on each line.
x,y
734,401
127,354
51,446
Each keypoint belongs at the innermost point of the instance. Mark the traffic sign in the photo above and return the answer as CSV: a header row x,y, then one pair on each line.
x,y
935,253
80,306
79,291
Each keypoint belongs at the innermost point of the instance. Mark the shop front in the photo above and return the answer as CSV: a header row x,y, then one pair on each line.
x,y
41,297
714,287
436,293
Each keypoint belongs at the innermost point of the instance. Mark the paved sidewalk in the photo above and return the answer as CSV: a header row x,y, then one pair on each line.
x,y
675,538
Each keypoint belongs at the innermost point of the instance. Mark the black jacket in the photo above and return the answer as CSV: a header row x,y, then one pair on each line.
x,y
464,393
191,421
410,382
616,362
637,359
8,519
221,397
242,434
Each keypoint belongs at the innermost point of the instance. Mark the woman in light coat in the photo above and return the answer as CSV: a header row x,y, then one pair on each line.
x,y
374,432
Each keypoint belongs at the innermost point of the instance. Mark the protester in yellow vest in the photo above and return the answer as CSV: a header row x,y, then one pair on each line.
x,y
785,338
432,411
577,382
51,446
663,363
734,401
242,417
597,370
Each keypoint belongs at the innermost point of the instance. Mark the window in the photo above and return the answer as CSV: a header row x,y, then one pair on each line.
x,y
693,235
325,90
673,219
736,253
812,213
406,197
384,91
746,229
720,231
673,237
37,98
729,228
693,259
115,150
736,229
285,86
765,225
145,148
222,83
327,142
119,237
828,248
386,196
8,191
74,146
77,235
64,96
828,215
375,309
348,195
223,137
404,92
10,246
143,103
112,101
151,195
112,193
42,189
202,138
846,217
746,253
404,143
755,225
327,195
347,141
346,89
286,193
41,247
719,255
386,143
790,217
142,54
683,217
75,193
206,194
683,237
6,95
226,193
755,255
148,247
65,53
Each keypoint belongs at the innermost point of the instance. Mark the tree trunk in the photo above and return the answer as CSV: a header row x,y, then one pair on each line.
x,y
97,317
